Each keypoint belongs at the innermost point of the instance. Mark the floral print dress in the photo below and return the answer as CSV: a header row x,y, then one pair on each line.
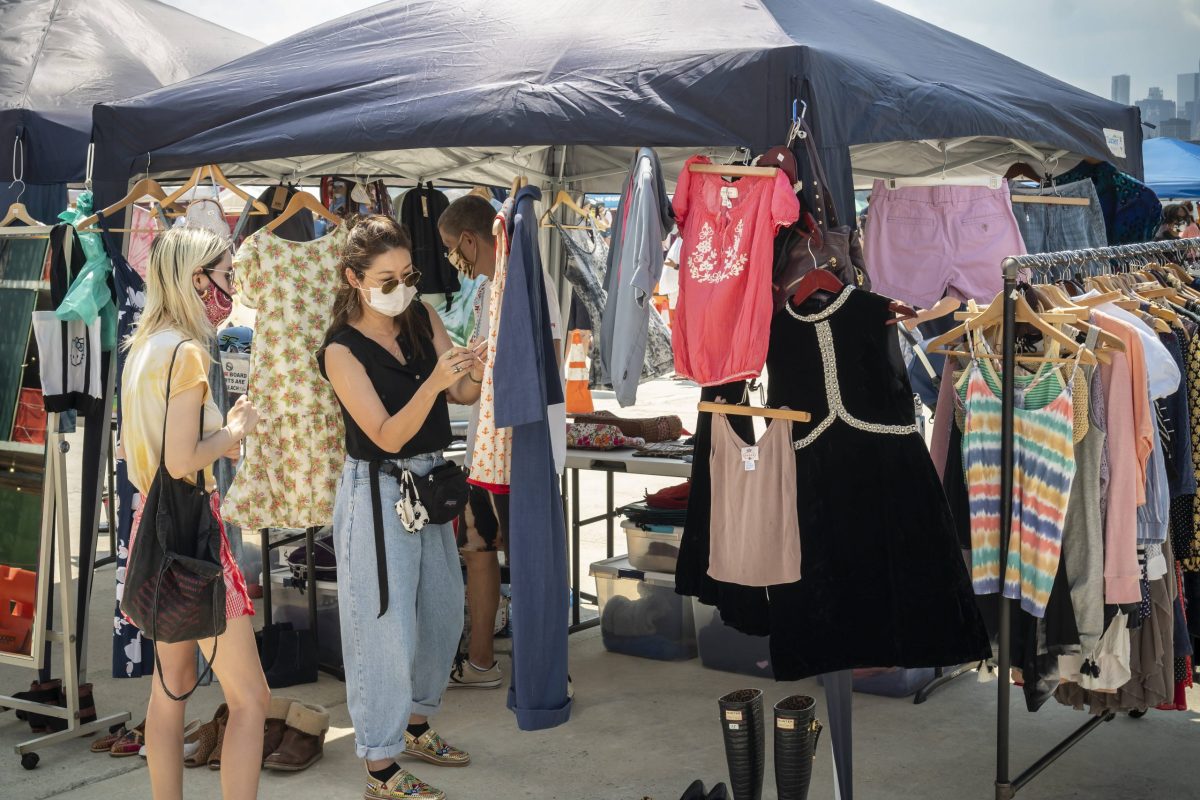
x,y
294,458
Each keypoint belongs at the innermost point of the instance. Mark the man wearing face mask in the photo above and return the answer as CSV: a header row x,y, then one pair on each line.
x,y
466,231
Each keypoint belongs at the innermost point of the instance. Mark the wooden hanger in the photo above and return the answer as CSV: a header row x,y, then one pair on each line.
x,y
302,201
18,213
816,280
752,411
1050,200
734,170
994,315
213,174
563,199
145,188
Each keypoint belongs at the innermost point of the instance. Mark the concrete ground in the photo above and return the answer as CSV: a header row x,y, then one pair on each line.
x,y
646,728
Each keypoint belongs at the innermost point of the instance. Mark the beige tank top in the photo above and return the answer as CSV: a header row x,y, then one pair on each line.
x,y
754,536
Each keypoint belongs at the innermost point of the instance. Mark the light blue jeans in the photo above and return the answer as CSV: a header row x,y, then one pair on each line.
x,y
397,664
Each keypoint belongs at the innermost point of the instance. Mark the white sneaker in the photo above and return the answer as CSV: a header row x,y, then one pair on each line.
x,y
466,675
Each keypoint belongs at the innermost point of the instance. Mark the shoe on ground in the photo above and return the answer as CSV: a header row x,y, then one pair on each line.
x,y
401,786
465,675
431,747
303,741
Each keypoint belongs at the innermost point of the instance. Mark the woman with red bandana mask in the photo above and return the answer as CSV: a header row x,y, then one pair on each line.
x,y
187,296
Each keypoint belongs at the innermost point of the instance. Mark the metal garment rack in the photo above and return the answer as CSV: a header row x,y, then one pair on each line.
x,y
1084,261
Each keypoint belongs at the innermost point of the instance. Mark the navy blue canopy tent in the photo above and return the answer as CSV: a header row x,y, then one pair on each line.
x,y
1172,168
58,58
479,91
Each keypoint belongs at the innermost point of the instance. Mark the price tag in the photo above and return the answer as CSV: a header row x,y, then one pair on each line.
x,y
236,367
279,198
728,195
750,458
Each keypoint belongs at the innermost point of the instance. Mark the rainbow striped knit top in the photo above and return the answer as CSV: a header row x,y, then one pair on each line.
x,y
1043,470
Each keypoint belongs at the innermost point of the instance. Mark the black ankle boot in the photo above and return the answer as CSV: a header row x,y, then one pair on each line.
x,y
742,724
296,662
49,693
796,732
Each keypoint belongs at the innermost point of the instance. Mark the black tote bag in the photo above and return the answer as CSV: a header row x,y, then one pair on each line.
x,y
174,582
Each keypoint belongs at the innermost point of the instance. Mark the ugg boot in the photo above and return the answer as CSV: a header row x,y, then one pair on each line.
x,y
745,742
276,725
303,739
796,732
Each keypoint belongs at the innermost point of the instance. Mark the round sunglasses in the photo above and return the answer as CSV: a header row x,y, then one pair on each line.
x,y
392,284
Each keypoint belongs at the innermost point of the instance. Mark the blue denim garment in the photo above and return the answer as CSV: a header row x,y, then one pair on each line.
x,y
397,664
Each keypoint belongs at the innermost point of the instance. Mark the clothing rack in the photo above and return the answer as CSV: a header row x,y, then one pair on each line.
x,y
1189,249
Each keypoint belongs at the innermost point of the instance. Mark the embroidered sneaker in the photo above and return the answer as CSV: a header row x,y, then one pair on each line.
x,y
401,786
430,747
466,676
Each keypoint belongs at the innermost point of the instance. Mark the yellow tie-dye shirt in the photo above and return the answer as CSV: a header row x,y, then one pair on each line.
x,y
143,401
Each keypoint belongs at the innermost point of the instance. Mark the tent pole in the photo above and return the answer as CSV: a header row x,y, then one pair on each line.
x,y
1003,788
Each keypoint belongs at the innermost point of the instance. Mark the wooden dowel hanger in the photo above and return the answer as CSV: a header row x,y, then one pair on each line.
x,y
734,170
213,174
302,201
1050,200
17,212
751,411
145,188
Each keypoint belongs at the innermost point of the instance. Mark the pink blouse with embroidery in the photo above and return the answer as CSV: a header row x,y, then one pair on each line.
x,y
723,318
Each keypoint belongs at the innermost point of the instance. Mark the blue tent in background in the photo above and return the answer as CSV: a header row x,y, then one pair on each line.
x,y
1172,168
426,89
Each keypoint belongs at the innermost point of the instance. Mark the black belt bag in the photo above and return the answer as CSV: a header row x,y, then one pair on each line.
x,y
436,498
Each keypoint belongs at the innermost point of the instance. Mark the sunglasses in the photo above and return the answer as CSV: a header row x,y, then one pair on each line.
x,y
392,284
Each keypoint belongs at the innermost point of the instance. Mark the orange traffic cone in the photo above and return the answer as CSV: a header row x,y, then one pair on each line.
x,y
579,397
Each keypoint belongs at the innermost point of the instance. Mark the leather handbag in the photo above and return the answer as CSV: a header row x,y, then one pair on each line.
x,y
174,583
816,240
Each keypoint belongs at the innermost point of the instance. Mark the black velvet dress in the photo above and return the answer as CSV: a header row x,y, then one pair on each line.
x,y
883,582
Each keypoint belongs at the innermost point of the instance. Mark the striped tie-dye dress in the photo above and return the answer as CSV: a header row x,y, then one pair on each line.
x,y
1043,470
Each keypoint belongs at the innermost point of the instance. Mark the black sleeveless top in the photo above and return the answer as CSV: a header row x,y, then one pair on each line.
x,y
396,384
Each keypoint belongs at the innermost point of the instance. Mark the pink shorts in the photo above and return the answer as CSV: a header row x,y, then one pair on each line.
x,y
924,242
237,598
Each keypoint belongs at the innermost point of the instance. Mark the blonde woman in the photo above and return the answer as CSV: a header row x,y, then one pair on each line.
x,y
188,293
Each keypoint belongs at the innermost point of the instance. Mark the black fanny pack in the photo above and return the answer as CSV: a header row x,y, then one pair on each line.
x,y
436,498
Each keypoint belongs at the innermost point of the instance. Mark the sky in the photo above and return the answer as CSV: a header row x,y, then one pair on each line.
x,y
1084,42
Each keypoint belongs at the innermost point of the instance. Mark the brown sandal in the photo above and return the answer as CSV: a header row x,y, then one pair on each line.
x,y
104,744
205,739
130,743
221,719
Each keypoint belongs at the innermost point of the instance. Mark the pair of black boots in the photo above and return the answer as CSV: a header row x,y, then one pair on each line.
x,y
288,656
796,732
51,693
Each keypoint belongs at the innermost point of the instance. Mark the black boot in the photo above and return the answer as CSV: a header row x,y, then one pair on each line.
x,y
49,693
296,661
742,724
694,792
796,732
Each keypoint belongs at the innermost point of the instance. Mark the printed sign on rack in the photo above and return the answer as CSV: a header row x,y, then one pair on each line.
x,y
236,367
1116,142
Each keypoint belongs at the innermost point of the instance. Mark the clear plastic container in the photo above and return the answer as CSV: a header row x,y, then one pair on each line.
x,y
729,650
652,548
640,614
290,604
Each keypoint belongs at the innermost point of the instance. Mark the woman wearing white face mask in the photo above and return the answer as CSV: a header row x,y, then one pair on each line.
x,y
400,594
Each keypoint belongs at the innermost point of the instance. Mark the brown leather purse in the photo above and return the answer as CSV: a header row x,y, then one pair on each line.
x,y
816,240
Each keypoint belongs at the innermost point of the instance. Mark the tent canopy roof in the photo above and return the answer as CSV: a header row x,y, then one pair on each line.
x,y
1172,167
58,58
421,87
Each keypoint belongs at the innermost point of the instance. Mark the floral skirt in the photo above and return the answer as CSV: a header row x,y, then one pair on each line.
x,y
237,598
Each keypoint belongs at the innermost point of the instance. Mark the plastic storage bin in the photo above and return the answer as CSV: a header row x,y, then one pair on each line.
x,y
729,650
289,604
640,614
652,548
